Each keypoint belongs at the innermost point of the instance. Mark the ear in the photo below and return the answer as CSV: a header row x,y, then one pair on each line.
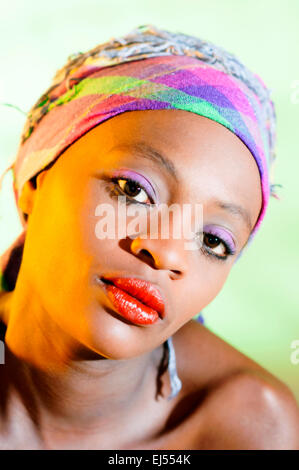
x,y
27,197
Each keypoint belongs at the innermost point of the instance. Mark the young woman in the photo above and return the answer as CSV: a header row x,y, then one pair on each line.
x,y
102,350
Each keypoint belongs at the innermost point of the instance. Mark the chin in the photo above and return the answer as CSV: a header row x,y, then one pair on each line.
x,y
111,336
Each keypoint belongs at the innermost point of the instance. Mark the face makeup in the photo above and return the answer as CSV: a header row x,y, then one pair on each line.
x,y
136,300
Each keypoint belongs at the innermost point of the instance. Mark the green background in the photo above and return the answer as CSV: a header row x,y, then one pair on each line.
x,y
258,309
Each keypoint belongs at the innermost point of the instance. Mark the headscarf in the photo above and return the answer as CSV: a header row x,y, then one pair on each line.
x,y
146,69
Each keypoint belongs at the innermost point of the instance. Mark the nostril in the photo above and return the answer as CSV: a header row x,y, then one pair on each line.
x,y
175,274
147,257
145,252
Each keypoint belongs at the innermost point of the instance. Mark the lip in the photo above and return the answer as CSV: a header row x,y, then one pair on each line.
x,y
135,299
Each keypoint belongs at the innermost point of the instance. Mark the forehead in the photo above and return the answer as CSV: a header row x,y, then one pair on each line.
x,y
178,133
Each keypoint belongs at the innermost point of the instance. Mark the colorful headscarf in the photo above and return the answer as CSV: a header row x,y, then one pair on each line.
x,y
147,69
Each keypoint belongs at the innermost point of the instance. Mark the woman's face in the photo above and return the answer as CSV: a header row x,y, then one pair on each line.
x,y
63,257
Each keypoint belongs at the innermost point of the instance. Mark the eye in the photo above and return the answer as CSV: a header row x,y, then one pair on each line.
x,y
216,245
134,190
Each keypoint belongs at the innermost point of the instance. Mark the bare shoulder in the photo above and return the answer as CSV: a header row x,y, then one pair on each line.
x,y
240,404
206,360
248,412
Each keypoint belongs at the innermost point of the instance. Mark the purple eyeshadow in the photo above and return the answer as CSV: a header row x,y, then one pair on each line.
x,y
221,233
141,180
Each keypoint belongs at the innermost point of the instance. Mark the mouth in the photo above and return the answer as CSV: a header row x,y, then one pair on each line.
x,y
137,300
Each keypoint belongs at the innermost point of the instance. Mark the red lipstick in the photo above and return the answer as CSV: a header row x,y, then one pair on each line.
x,y
135,299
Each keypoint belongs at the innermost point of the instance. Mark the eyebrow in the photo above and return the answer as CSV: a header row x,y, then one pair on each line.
x,y
235,209
145,150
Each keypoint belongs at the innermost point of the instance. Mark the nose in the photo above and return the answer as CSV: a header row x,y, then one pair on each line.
x,y
162,254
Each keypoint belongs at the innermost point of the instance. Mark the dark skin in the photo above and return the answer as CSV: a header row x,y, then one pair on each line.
x,y
76,374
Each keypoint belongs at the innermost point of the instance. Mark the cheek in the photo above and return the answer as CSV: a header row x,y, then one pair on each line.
x,y
200,288
54,256
93,236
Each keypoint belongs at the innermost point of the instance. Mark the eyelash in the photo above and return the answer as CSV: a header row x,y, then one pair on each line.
x,y
114,191
215,256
